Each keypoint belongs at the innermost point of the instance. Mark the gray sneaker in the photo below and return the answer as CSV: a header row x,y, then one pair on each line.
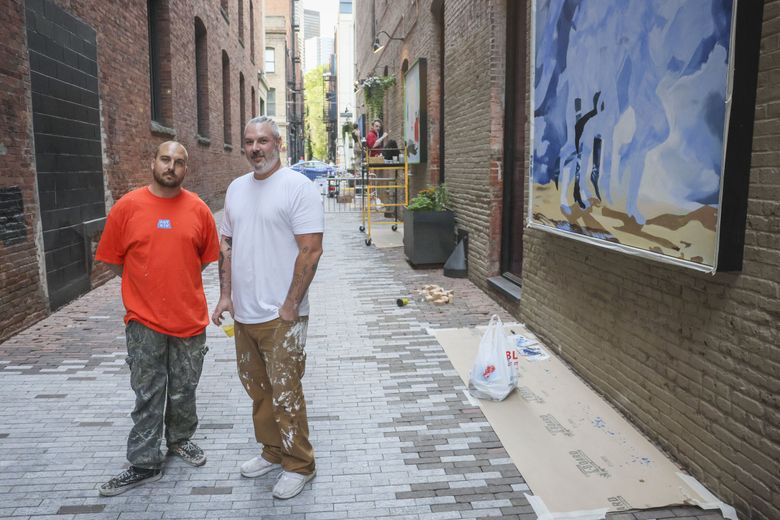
x,y
190,453
128,479
258,467
290,484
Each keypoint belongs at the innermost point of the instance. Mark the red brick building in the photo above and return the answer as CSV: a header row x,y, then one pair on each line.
x,y
692,359
416,33
89,89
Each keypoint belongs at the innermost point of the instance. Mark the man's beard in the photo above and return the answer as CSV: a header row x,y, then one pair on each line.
x,y
173,182
268,164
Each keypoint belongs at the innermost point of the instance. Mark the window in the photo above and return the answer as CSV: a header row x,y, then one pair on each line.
x,y
226,99
202,78
272,102
262,107
270,59
241,21
251,32
254,103
159,61
241,100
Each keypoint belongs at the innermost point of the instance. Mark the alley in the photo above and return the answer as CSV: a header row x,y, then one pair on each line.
x,y
394,433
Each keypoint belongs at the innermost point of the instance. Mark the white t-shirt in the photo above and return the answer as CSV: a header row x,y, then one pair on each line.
x,y
263,217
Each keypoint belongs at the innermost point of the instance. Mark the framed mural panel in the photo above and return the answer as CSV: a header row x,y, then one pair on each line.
x,y
415,112
641,132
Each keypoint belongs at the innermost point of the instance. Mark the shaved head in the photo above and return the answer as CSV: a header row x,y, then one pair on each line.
x,y
167,144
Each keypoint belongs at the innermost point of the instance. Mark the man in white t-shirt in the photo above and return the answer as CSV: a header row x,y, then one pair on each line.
x,y
270,246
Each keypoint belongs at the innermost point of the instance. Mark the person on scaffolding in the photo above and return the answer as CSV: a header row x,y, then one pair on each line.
x,y
375,138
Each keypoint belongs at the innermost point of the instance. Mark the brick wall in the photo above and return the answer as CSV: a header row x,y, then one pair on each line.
x,y
473,112
22,296
692,359
127,136
412,20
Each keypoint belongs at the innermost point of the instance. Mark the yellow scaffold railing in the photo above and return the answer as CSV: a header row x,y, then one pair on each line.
x,y
375,168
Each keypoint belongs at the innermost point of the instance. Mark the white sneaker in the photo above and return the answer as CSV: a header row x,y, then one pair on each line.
x,y
257,466
290,484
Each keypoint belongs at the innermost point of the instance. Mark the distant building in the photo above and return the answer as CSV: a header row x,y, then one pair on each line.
x,y
275,67
284,36
317,51
311,24
345,74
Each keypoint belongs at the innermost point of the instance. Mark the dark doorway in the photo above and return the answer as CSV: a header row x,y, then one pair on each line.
x,y
514,144
68,154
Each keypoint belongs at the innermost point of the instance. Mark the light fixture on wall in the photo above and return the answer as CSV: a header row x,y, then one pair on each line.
x,y
378,46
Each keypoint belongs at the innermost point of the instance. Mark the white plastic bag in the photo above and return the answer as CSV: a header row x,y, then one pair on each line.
x,y
493,376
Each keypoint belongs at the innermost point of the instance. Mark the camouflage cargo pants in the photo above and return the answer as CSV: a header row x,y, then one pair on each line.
x,y
164,373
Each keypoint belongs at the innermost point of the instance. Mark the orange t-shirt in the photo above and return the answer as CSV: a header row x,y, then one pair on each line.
x,y
162,244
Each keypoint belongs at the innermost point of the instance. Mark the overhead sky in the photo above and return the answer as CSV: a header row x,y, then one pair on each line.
x,y
329,11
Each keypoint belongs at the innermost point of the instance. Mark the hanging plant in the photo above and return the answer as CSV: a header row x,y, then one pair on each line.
x,y
346,129
374,89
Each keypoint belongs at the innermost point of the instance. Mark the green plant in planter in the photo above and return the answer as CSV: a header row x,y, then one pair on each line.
x,y
430,199
429,227
374,88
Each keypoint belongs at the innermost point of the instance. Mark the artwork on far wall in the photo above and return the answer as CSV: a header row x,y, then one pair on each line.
x,y
631,116
415,113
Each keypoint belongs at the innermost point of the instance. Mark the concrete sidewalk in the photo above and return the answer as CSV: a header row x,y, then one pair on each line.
x,y
394,435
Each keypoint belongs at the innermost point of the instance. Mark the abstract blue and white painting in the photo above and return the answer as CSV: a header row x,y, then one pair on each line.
x,y
630,114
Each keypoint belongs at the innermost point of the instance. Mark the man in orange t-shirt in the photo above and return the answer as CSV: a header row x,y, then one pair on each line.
x,y
158,239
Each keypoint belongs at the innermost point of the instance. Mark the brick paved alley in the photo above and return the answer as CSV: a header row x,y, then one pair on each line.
x,y
394,434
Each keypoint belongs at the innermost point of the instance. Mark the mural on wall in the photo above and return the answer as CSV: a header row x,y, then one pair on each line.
x,y
415,116
631,109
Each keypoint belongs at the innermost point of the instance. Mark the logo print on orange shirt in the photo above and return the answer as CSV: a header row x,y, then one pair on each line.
x,y
164,223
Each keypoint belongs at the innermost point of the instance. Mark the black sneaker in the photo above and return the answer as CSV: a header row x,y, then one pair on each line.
x,y
189,452
129,479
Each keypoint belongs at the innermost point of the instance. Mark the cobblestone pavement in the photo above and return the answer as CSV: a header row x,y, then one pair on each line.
x,y
395,436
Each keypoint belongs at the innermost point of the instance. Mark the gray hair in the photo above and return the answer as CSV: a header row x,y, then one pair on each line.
x,y
265,120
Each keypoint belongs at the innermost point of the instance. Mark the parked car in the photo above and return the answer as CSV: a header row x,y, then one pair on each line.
x,y
313,169
319,171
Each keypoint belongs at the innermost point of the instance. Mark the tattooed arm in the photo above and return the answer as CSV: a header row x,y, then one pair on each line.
x,y
225,302
309,252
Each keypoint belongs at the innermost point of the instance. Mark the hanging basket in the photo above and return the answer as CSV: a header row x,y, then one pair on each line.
x,y
374,89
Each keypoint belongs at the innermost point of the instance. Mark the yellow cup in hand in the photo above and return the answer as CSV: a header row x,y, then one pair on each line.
x,y
229,329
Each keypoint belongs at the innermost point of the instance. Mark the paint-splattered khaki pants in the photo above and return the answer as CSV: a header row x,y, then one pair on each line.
x,y
271,363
